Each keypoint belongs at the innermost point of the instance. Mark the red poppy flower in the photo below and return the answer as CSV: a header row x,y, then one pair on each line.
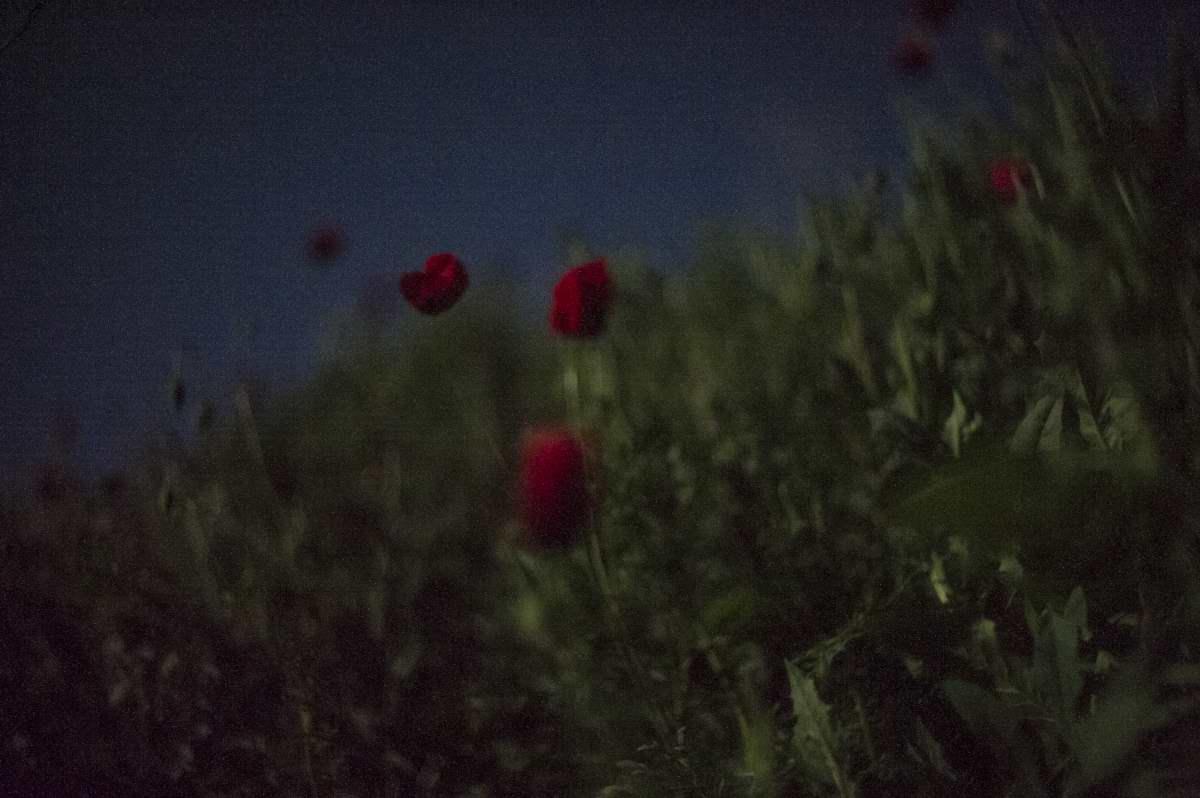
x,y
438,287
581,301
913,55
933,14
553,488
1006,175
325,244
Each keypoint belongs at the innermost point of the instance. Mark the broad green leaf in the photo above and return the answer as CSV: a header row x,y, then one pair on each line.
x,y
1057,669
997,725
987,497
1029,432
813,733
986,716
1046,509
1104,742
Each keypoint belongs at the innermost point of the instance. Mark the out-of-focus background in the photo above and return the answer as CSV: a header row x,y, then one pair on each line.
x,y
162,166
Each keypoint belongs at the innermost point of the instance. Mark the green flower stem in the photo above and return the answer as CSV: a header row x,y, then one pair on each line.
x,y
704,642
488,433
571,386
595,555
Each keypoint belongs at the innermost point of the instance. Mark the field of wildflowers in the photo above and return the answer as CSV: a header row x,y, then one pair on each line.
x,y
904,506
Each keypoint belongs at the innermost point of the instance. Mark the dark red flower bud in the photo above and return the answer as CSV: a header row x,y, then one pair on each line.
x,y
1006,176
325,244
438,287
913,55
581,301
553,488
932,14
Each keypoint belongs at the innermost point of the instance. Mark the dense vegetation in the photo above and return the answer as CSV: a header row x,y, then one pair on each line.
x,y
901,507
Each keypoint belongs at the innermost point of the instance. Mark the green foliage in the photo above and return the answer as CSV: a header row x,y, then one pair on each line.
x,y
853,491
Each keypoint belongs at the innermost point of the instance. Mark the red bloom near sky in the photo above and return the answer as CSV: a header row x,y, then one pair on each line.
x,y
553,488
326,243
1006,175
913,55
438,287
581,301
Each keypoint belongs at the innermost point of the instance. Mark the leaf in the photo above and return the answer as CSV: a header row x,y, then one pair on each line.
x,y
937,578
1031,617
1051,438
907,396
987,650
1057,669
758,749
997,725
813,732
1105,741
1010,572
986,496
731,608
1029,432
1122,422
820,656
959,426
1075,612
1045,508
985,715
933,752
1089,430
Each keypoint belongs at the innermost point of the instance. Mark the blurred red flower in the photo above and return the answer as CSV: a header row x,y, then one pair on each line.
x,y
325,244
581,301
933,14
553,488
438,287
913,55
1006,175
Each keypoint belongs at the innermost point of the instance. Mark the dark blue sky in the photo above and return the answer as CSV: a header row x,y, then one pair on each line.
x,y
161,163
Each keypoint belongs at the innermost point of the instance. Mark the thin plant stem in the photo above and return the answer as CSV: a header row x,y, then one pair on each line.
x,y
718,668
596,560
868,742
488,433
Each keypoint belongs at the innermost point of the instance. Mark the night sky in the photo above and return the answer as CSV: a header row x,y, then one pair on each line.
x,y
162,163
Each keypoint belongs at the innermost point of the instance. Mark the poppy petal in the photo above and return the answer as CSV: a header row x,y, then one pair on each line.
x,y
435,289
581,301
554,499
